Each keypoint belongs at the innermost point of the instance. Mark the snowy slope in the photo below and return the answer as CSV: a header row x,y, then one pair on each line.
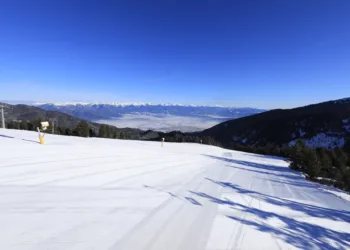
x,y
80,193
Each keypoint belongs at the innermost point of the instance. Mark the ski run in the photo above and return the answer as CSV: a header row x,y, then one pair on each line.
x,y
88,193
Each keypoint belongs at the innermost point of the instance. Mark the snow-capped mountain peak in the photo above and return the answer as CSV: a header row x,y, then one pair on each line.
x,y
156,116
123,104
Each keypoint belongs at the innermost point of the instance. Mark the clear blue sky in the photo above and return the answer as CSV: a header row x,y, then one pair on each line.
x,y
263,54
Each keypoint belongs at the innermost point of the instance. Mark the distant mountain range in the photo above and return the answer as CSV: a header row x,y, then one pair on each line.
x,y
325,124
91,111
26,113
146,116
21,112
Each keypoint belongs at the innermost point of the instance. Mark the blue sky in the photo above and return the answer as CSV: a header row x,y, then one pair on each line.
x,y
264,54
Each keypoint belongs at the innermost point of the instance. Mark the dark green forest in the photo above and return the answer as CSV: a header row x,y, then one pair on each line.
x,y
329,167
83,129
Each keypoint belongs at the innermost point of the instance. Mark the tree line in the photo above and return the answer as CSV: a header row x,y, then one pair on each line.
x,y
330,167
177,136
82,129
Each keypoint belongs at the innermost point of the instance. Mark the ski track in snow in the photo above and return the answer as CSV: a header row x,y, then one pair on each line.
x,y
83,194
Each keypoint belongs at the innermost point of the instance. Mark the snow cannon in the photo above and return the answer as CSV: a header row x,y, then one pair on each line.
x,y
41,139
44,126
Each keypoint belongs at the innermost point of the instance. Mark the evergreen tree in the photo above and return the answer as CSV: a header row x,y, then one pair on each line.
x,y
127,136
268,148
82,129
122,135
297,156
340,158
325,164
30,126
102,131
109,133
92,133
346,178
11,125
311,163
276,150
287,152
23,125
59,131
342,178
36,123
67,131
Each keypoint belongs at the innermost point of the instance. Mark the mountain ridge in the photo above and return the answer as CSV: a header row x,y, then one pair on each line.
x,y
325,123
26,113
165,117
106,111
134,104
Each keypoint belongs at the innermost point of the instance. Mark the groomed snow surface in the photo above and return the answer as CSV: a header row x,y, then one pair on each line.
x,y
89,193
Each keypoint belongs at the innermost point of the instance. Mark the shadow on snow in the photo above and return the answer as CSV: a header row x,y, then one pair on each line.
x,y
190,199
310,210
277,171
300,234
6,136
11,137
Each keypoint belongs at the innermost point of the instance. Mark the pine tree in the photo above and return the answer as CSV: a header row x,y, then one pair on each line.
x,y
122,135
276,150
127,136
287,152
36,123
325,164
23,125
346,178
92,133
340,158
109,132
30,126
311,163
67,131
60,131
297,156
341,177
102,131
82,129
11,125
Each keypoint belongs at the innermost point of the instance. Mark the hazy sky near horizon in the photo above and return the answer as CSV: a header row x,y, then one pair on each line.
x,y
263,54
